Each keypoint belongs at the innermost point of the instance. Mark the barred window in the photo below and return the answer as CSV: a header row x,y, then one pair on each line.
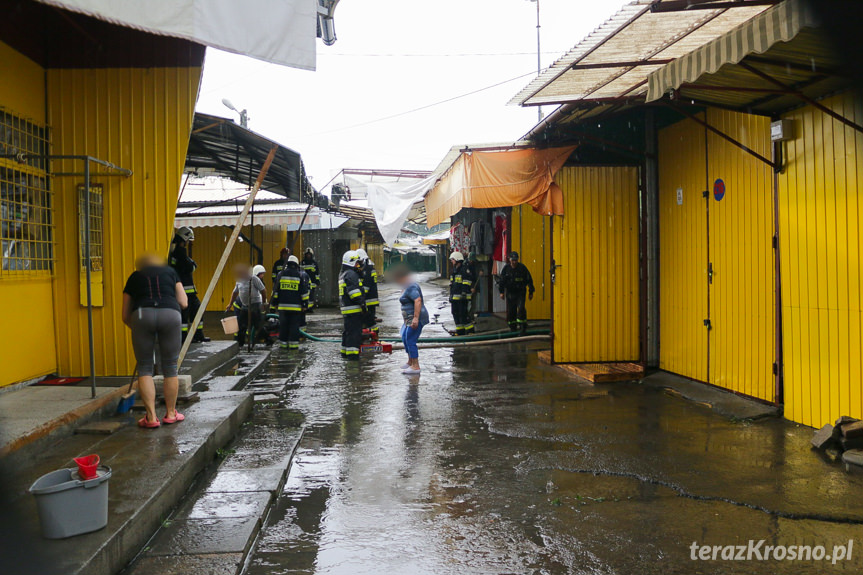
x,y
95,226
26,224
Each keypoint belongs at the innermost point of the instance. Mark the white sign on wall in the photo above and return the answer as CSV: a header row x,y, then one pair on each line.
x,y
679,196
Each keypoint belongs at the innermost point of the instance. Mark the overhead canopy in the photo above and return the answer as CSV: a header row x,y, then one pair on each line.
x,y
218,146
492,179
614,61
762,66
277,31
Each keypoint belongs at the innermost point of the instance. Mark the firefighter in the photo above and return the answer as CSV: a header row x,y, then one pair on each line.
x,y
353,305
185,267
310,266
370,291
280,264
291,298
460,285
515,284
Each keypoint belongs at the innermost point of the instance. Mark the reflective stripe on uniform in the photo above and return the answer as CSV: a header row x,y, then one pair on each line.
x,y
354,293
190,289
346,309
351,351
290,307
371,302
457,297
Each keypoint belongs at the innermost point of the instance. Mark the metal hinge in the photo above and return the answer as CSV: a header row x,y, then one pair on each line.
x,y
775,368
705,194
707,324
775,241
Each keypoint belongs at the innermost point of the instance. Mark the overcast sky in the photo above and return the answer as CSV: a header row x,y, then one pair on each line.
x,y
393,56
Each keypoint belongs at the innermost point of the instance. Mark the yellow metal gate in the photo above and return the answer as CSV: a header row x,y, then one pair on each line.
x,y
717,306
595,251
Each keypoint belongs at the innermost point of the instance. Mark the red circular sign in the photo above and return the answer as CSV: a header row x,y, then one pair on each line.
x,y
718,189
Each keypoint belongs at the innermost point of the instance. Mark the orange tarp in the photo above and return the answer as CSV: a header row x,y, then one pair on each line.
x,y
499,179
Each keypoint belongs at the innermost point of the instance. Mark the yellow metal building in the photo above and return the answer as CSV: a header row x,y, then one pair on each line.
x,y
820,235
716,256
595,251
133,108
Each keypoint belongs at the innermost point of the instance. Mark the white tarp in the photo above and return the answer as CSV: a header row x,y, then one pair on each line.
x,y
278,31
392,202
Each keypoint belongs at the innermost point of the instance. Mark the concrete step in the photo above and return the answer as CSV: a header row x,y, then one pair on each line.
x,y
152,470
215,528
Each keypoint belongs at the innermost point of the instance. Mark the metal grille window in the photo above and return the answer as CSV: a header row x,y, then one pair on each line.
x,y
95,226
26,225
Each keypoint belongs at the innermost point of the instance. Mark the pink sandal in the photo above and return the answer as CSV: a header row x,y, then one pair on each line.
x,y
148,424
178,417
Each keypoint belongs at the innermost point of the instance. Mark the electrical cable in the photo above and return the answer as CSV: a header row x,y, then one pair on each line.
x,y
420,108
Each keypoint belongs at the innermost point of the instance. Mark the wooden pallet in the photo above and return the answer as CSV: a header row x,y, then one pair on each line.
x,y
598,372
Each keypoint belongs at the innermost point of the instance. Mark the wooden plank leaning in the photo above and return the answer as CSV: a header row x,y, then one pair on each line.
x,y
227,253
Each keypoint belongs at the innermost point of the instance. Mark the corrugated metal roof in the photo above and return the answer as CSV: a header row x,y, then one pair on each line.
x,y
614,61
221,147
763,66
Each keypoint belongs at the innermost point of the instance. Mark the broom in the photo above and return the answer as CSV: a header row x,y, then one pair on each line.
x,y
128,399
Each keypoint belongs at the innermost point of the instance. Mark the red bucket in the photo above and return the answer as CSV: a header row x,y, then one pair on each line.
x,y
87,466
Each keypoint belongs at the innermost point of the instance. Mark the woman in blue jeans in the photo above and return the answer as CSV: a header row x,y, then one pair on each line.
x,y
415,318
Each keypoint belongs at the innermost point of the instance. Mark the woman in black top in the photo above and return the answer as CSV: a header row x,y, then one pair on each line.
x,y
152,300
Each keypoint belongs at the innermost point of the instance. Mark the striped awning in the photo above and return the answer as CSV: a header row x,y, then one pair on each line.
x,y
781,23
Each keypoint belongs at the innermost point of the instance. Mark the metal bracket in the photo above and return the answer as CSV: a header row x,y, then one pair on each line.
x,y
707,324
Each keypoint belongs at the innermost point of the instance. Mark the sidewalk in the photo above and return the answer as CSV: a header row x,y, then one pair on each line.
x,y
152,469
34,415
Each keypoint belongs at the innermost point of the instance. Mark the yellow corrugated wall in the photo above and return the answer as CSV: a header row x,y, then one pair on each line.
x,y
596,293
207,251
735,234
138,119
742,306
682,250
820,212
376,253
531,238
27,347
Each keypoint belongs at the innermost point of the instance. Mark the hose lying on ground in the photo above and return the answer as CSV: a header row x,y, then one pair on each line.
x,y
509,336
451,342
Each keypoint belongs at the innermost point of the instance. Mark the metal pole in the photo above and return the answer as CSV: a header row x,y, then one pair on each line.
x,y
88,276
538,57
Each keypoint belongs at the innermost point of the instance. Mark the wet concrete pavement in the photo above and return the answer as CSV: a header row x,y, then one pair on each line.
x,y
491,462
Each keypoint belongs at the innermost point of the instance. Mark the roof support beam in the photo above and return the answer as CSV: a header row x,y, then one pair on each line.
x,y
812,102
681,5
630,64
720,133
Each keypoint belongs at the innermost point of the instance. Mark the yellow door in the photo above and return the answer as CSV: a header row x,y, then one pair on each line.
x,y
742,304
683,251
595,253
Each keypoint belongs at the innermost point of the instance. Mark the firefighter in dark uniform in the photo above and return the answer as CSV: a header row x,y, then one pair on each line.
x,y
353,305
370,290
460,285
516,285
185,268
280,264
291,297
310,266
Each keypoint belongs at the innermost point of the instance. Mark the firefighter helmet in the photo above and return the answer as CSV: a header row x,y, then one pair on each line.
x,y
293,260
350,258
258,269
186,234
362,255
456,257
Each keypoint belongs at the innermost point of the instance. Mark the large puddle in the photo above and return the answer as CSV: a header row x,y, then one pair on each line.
x,y
493,463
